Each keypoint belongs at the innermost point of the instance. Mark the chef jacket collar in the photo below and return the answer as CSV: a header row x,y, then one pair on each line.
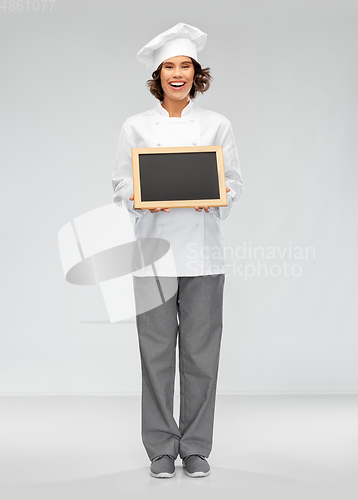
x,y
188,109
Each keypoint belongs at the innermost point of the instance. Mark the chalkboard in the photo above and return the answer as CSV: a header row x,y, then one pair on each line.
x,y
178,177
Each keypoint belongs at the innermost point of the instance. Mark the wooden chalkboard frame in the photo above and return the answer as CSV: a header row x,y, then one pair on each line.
x,y
216,202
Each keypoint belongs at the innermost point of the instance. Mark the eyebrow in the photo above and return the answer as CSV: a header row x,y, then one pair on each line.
x,y
185,62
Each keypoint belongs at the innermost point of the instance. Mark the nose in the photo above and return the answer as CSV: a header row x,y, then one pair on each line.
x,y
177,72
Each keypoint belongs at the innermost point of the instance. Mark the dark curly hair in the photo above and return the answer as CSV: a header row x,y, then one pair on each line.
x,y
201,83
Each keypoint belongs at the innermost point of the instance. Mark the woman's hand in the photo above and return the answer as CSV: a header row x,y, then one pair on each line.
x,y
152,210
199,209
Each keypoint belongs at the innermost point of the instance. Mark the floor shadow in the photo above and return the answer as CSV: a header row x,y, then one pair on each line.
x,y
221,483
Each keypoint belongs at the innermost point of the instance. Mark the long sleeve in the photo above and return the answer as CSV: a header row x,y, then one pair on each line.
x,y
122,178
232,174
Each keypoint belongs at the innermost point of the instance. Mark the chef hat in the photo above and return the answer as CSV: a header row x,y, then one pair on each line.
x,y
180,40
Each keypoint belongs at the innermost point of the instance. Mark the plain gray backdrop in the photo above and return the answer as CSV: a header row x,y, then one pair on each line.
x,y
285,74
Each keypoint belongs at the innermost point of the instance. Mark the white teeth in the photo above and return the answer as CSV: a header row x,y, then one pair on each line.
x,y
177,84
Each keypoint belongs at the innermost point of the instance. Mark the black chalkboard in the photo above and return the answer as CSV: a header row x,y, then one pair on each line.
x,y
173,176
178,177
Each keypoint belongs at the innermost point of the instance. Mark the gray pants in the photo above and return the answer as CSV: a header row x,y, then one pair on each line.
x,y
194,316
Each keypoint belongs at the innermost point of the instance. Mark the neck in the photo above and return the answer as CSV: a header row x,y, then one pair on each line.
x,y
175,108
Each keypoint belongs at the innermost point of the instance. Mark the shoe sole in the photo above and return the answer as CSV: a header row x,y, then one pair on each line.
x,y
196,474
162,475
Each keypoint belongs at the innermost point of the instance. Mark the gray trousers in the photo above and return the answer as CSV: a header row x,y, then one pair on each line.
x,y
193,316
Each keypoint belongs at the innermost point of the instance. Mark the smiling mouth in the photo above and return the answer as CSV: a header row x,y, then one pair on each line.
x,y
177,85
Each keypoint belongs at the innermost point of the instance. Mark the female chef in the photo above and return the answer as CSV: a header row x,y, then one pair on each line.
x,y
193,314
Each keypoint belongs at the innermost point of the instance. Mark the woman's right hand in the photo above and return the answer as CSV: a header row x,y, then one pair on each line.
x,y
152,210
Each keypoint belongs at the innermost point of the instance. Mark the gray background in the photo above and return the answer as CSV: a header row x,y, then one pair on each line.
x,y
285,74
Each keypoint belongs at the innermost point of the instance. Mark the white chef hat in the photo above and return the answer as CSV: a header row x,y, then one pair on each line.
x,y
180,40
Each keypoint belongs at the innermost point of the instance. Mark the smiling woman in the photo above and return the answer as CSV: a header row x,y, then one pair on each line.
x,y
201,79
176,77
194,311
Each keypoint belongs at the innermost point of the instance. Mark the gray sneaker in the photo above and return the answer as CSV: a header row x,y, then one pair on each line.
x,y
196,466
162,466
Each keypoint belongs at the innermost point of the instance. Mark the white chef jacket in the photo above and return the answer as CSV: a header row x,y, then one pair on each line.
x,y
196,238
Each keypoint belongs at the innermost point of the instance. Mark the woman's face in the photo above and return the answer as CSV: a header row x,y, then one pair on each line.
x,y
176,77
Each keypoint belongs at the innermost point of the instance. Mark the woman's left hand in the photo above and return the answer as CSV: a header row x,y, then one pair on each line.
x,y
199,209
